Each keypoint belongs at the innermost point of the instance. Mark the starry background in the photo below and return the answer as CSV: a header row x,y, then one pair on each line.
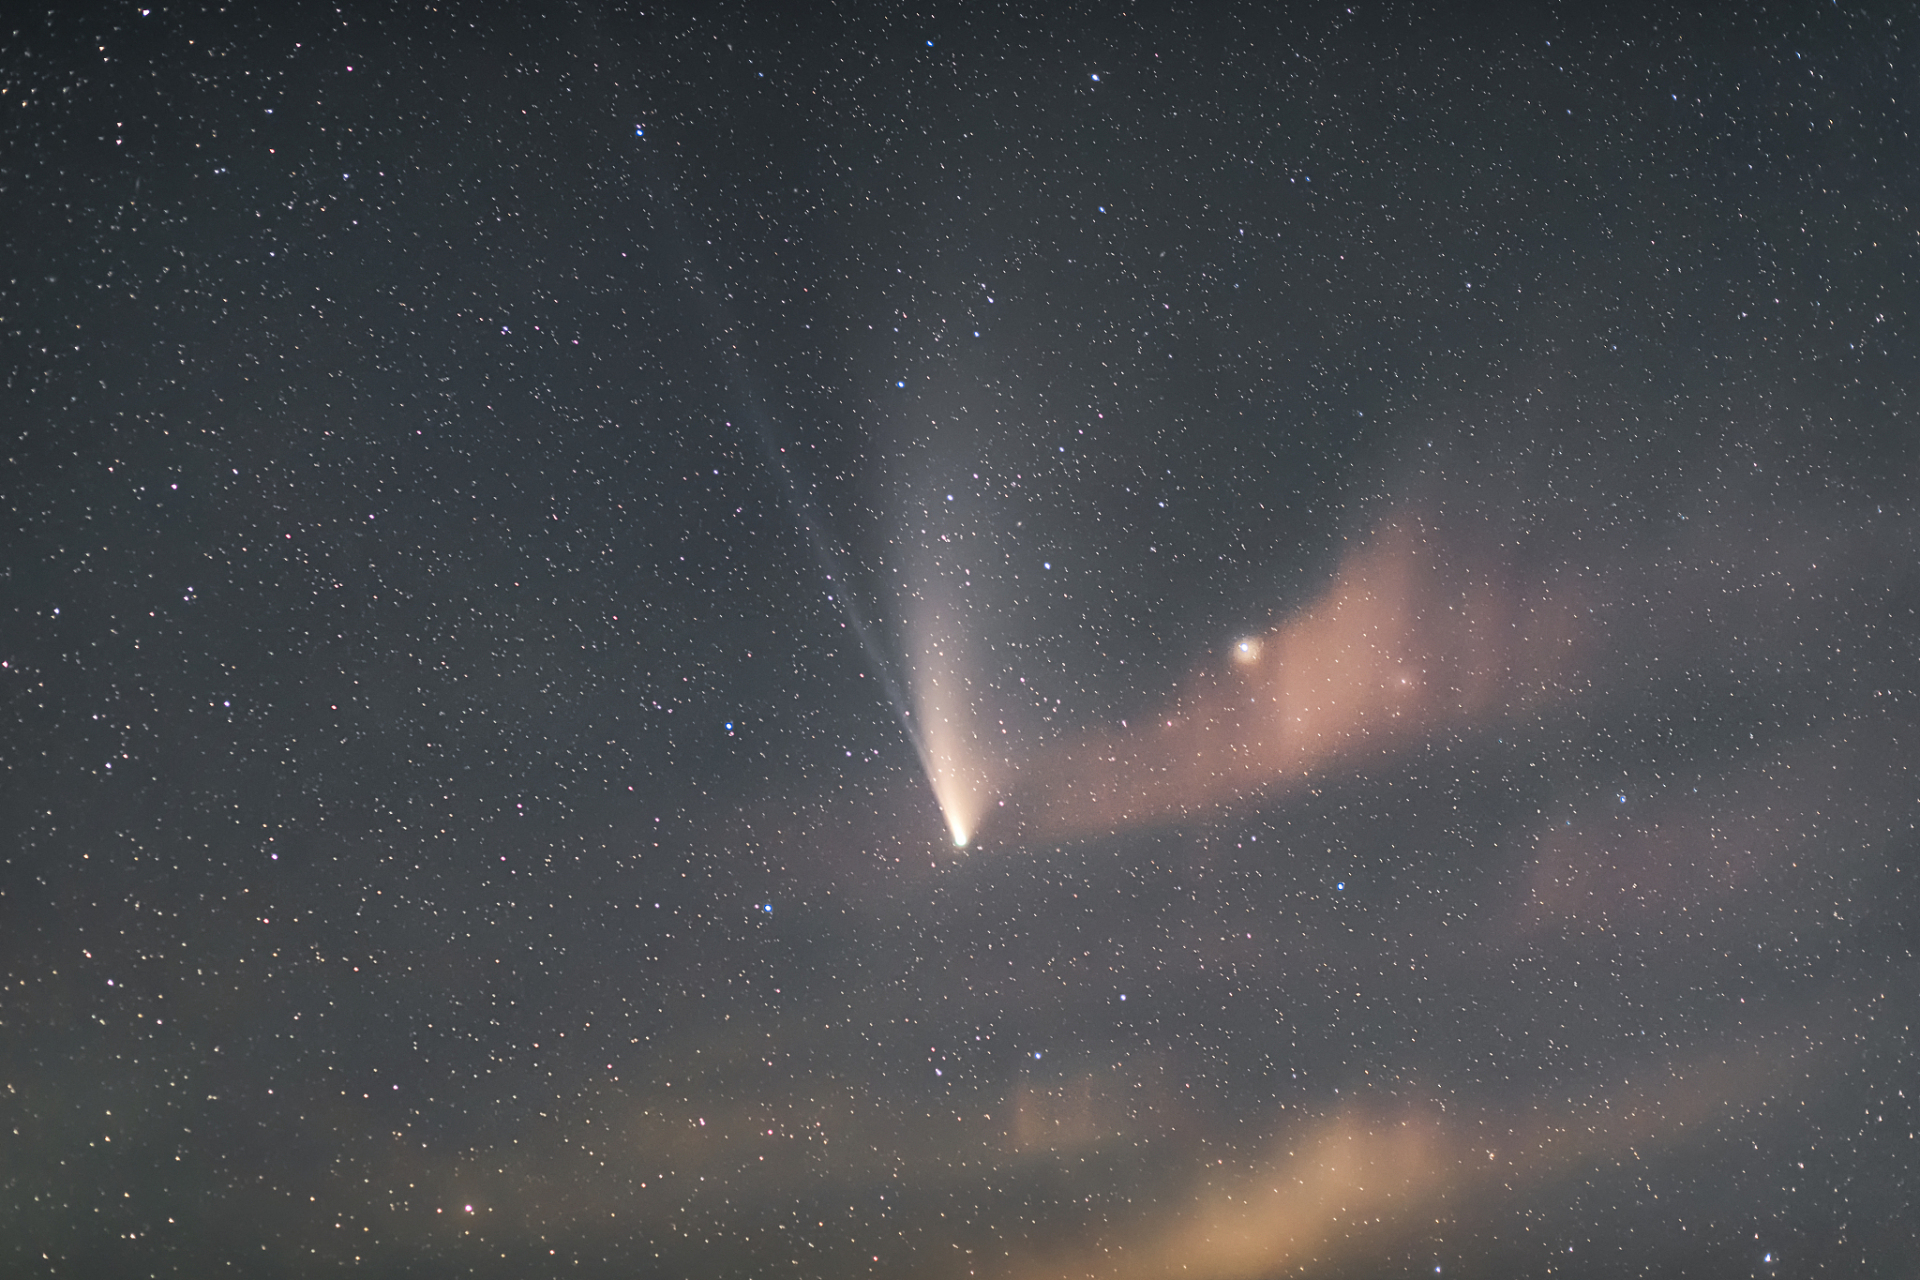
x,y
469,476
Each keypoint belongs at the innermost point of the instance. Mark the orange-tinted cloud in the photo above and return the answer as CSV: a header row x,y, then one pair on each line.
x,y
1346,1187
1417,633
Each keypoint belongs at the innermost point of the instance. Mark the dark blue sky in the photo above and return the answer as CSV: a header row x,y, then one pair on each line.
x,y
454,826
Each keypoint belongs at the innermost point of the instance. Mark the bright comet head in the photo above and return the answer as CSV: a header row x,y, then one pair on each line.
x,y
941,684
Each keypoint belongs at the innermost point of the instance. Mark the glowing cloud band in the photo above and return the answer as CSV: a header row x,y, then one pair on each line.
x,y
1411,636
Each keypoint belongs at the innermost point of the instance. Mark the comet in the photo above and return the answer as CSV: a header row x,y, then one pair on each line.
x,y
944,697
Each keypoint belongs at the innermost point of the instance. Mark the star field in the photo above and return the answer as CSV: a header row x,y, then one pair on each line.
x,y
1014,642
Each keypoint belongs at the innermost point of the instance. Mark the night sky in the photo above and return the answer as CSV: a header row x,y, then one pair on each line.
x,y
1017,641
